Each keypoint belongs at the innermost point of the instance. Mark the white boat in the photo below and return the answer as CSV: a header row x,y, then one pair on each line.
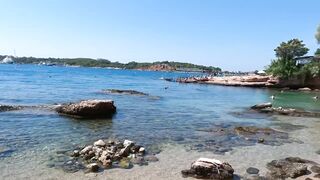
x,y
7,60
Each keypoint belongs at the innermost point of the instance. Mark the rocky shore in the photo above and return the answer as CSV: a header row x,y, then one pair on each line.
x,y
254,81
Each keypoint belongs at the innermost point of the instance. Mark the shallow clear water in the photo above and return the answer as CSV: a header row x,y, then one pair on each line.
x,y
177,116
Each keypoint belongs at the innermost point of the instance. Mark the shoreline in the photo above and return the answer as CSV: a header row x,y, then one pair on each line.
x,y
254,81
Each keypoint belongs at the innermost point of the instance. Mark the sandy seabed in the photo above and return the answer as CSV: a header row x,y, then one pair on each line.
x,y
175,158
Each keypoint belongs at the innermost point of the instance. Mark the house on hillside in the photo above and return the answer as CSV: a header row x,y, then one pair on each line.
x,y
306,60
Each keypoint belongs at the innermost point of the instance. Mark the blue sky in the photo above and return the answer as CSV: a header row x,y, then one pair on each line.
x,y
231,34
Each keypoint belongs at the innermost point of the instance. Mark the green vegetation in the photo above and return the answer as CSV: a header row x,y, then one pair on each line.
x,y
286,66
88,62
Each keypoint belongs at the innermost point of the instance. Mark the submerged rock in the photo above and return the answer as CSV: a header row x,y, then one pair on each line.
x,y
291,167
88,108
209,169
252,170
223,138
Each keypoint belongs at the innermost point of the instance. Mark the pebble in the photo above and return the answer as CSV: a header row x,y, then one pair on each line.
x,y
252,170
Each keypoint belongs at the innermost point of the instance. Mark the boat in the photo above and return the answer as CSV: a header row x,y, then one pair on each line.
x,y
7,60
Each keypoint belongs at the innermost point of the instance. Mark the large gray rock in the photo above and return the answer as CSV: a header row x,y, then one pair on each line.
x,y
88,108
209,169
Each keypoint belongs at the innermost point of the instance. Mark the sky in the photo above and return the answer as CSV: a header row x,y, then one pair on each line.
x,y
231,34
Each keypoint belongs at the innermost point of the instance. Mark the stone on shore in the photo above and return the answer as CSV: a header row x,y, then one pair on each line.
x,y
252,170
209,169
108,154
88,109
99,143
93,167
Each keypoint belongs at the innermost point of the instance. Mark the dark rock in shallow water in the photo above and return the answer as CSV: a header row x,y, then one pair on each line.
x,y
284,111
151,158
317,176
129,92
315,169
209,169
4,108
223,138
291,167
88,109
252,170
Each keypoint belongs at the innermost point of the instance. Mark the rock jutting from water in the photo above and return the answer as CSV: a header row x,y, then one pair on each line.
x,y
124,91
4,108
88,109
291,167
209,169
109,154
267,108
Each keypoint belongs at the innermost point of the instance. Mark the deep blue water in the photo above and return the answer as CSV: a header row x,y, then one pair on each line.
x,y
176,116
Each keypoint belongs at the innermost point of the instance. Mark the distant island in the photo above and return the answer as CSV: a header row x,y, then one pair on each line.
x,y
104,63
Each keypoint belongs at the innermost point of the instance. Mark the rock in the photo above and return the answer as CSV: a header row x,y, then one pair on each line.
x,y
88,109
89,155
75,153
249,130
93,167
99,143
4,108
129,92
86,150
286,111
124,152
151,158
317,176
210,169
304,89
315,169
318,152
260,140
142,150
128,143
125,163
285,168
138,160
107,163
262,106
252,170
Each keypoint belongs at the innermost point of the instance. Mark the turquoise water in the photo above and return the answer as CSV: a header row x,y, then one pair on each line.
x,y
177,116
